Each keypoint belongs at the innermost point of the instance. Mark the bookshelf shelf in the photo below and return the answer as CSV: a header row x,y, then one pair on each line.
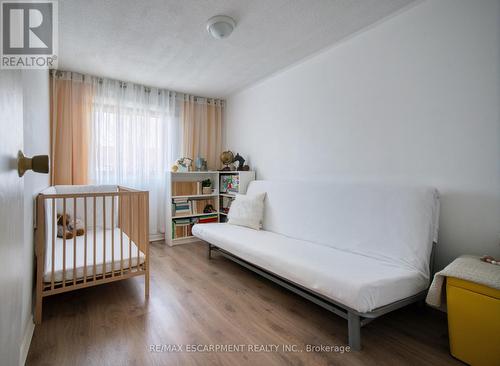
x,y
185,185
194,215
197,196
198,172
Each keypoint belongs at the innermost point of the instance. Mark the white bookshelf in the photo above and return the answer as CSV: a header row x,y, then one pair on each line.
x,y
193,176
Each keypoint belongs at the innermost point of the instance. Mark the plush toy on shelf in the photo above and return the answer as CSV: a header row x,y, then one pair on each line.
x,y
71,226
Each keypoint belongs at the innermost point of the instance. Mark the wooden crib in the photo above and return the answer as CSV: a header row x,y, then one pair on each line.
x,y
114,246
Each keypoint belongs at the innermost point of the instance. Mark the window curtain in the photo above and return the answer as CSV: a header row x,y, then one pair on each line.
x,y
201,121
106,131
134,141
70,111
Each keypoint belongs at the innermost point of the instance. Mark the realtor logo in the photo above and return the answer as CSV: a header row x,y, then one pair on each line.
x,y
29,34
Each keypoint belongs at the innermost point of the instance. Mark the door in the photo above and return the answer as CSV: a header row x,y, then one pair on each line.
x,y
11,216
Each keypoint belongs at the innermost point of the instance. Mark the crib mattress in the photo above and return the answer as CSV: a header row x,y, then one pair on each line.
x,y
103,261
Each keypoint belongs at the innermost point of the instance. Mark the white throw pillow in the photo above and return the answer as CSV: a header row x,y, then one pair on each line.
x,y
247,210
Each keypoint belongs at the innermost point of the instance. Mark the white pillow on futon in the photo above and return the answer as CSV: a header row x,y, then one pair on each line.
x,y
247,210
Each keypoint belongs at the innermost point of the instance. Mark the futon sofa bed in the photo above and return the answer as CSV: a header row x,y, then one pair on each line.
x,y
359,250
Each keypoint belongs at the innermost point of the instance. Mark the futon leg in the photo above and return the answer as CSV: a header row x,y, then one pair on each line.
x,y
354,325
209,251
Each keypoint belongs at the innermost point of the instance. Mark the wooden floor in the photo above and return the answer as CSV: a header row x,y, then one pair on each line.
x,y
197,301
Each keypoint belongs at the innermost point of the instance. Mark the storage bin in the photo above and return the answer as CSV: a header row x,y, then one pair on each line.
x,y
473,322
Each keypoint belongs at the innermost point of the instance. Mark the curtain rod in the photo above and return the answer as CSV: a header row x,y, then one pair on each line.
x,y
123,84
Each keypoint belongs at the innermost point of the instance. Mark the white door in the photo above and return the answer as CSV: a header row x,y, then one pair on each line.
x,y
11,216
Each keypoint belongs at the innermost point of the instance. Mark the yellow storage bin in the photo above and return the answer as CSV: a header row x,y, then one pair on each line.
x,y
473,322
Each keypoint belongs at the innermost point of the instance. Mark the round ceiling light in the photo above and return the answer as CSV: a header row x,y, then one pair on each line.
x,y
220,26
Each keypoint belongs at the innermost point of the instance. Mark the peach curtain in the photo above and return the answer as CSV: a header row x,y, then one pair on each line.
x,y
201,124
70,115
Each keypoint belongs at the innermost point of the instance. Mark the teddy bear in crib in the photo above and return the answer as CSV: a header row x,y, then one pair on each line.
x,y
72,226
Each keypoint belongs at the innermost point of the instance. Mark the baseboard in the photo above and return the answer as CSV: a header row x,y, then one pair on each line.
x,y
182,241
26,342
156,237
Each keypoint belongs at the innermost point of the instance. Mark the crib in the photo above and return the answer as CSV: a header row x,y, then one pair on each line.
x,y
113,247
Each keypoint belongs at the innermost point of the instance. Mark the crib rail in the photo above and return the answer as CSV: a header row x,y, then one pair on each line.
x,y
113,246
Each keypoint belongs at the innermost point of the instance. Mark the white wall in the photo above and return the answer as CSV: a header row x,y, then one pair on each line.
x,y
36,142
415,98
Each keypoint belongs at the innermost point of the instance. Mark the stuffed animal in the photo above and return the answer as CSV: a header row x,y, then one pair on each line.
x,y
490,259
61,221
72,226
76,226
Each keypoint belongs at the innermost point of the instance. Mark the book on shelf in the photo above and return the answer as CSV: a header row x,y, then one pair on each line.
x,y
181,206
207,219
187,206
199,205
182,227
229,183
182,231
183,221
225,204
186,188
235,184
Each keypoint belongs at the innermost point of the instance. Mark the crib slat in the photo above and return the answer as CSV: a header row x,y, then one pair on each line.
x,y
121,234
130,232
146,239
112,236
74,241
104,237
139,229
64,244
54,228
94,230
85,240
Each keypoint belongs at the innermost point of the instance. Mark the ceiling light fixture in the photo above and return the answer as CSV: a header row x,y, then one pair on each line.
x,y
220,26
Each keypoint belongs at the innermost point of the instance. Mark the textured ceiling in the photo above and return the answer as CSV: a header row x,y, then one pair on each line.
x,y
164,43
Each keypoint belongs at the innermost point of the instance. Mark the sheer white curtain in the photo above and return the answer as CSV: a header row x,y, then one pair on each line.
x,y
135,138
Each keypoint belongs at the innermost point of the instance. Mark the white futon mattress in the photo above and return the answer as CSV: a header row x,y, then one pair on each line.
x,y
360,282
99,257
